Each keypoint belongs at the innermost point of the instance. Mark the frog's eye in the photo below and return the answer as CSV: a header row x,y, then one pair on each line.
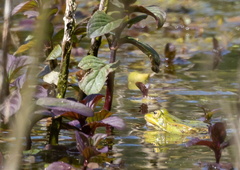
x,y
156,114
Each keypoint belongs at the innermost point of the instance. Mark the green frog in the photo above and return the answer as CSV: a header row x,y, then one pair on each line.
x,y
162,120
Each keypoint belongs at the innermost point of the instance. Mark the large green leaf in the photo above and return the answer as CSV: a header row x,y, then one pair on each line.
x,y
91,62
101,23
55,53
157,13
93,82
146,49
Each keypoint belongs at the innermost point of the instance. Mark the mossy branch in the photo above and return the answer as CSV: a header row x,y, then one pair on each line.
x,y
69,24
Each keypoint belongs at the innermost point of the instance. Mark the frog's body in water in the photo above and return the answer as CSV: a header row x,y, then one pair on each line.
x,y
162,120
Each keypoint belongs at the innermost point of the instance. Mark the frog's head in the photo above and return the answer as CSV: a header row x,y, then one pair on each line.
x,y
157,119
162,120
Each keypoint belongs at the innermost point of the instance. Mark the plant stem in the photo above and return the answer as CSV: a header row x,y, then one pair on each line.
x,y
110,81
4,85
111,76
96,42
69,24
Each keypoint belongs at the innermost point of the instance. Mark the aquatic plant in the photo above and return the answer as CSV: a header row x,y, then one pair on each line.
x,y
16,69
217,134
109,20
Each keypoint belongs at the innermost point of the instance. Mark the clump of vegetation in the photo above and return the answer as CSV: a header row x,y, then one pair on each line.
x,y
76,113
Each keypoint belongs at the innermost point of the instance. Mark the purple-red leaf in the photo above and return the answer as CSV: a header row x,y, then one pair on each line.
x,y
84,147
72,115
92,100
75,123
14,64
89,152
110,121
218,135
64,105
11,105
25,6
218,132
18,82
41,92
59,166
115,122
82,141
103,150
197,141
98,116
45,113
31,14
98,137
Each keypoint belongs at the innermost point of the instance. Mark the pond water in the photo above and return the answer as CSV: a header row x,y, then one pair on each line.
x,y
194,83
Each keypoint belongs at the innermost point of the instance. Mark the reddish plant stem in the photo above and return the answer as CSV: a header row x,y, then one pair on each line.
x,y
110,83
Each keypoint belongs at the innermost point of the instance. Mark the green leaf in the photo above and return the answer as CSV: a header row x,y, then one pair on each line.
x,y
146,49
157,13
91,62
81,27
58,36
93,82
52,77
25,6
136,19
31,152
101,23
24,47
55,53
52,11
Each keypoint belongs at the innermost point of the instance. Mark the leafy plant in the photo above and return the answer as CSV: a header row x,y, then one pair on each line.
x,y
208,113
111,23
16,77
80,118
218,134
